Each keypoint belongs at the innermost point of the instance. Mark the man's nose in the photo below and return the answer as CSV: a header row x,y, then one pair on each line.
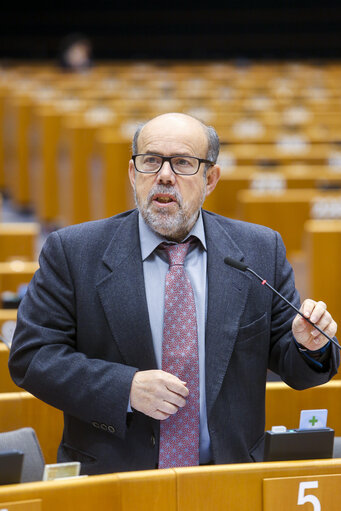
x,y
165,174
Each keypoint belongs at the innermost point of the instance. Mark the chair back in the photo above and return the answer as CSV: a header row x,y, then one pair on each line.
x,y
26,441
337,447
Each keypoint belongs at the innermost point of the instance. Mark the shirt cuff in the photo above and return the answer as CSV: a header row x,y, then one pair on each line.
x,y
317,358
129,409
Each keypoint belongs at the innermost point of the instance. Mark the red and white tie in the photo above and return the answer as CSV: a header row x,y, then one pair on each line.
x,y
179,434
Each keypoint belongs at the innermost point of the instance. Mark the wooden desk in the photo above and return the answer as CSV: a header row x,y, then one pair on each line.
x,y
284,211
18,240
2,144
16,273
21,409
46,175
96,183
18,180
323,249
238,487
7,315
253,154
111,192
283,406
6,382
224,199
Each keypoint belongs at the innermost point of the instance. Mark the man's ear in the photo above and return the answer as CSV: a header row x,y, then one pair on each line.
x,y
212,178
131,173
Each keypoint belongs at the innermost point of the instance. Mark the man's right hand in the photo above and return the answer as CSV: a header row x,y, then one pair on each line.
x,y
157,394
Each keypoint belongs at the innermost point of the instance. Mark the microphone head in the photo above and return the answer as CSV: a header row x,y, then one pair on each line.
x,y
235,264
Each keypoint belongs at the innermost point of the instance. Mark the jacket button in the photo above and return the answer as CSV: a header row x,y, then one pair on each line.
x,y
95,424
152,440
104,427
111,429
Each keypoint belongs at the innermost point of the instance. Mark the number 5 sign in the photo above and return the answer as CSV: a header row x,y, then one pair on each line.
x,y
313,493
302,498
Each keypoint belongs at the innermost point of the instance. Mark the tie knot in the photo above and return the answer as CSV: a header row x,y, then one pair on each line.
x,y
177,253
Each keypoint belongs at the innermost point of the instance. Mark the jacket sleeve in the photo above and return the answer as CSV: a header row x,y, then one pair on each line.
x,y
285,358
44,359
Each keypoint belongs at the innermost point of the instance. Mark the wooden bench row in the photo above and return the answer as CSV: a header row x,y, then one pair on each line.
x,y
19,241
286,210
323,249
239,487
14,274
270,179
81,171
58,125
283,407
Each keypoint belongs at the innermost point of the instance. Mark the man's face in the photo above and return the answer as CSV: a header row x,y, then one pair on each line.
x,y
170,203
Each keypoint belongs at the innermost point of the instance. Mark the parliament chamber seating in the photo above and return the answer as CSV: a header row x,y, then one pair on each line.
x,y
283,405
270,178
6,382
180,489
233,487
25,441
323,249
19,241
8,318
20,410
14,274
64,155
285,211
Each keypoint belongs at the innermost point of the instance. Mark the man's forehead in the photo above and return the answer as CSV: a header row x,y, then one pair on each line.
x,y
173,118
173,126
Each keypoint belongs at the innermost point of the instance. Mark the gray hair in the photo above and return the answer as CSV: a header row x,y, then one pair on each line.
x,y
213,143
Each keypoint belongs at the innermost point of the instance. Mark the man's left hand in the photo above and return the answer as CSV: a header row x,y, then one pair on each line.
x,y
305,333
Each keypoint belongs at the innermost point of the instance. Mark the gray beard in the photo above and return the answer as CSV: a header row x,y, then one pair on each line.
x,y
171,226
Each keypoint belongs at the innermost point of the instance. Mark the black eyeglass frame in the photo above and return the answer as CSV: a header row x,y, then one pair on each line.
x,y
169,158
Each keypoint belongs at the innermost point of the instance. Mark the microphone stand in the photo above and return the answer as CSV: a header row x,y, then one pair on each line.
x,y
244,267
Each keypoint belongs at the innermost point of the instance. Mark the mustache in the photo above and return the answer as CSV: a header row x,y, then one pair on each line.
x,y
164,189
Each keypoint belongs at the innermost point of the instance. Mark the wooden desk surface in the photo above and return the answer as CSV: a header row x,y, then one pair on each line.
x,y
236,487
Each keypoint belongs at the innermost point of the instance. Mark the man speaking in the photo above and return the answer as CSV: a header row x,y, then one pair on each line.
x,y
155,349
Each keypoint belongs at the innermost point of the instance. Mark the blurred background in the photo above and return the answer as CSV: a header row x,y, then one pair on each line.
x,y
76,79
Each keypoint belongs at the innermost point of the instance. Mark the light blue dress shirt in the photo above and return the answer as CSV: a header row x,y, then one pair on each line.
x,y
155,267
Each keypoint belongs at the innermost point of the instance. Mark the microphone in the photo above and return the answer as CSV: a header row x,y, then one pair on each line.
x,y
244,267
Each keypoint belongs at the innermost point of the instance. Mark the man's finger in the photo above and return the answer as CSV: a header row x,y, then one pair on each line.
x,y
330,330
161,416
299,324
175,399
313,310
323,323
175,385
168,408
307,307
318,311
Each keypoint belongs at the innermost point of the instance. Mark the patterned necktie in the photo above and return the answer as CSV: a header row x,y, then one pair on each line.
x,y
179,434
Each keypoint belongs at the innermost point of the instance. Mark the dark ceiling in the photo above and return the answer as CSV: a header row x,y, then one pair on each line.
x,y
201,30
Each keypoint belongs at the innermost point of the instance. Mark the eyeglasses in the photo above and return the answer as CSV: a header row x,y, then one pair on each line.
x,y
180,165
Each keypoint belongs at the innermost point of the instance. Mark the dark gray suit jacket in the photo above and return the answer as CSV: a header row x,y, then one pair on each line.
x,y
83,330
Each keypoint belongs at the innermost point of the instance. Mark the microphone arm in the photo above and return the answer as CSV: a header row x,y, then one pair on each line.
x,y
244,267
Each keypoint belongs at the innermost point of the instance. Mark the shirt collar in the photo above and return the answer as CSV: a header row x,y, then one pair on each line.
x,y
150,240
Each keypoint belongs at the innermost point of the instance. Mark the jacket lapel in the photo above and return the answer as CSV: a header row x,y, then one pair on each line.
x,y
228,289
122,294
